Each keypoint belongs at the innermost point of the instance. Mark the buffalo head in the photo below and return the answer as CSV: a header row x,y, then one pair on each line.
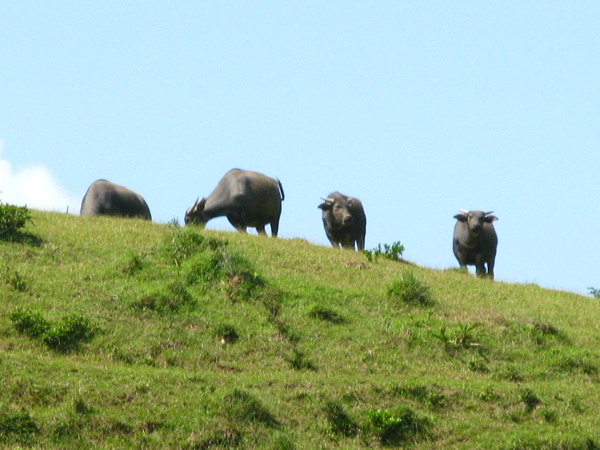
x,y
475,220
195,214
340,207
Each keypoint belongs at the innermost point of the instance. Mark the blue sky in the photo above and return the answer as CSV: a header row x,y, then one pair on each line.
x,y
416,108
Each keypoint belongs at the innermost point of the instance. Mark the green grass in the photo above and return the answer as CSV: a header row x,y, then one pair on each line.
x,y
119,333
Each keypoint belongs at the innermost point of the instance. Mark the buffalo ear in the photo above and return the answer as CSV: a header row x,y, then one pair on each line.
x,y
461,217
490,219
326,206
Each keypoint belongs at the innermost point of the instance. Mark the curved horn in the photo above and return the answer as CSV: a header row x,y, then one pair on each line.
x,y
488,213
328,200
463,211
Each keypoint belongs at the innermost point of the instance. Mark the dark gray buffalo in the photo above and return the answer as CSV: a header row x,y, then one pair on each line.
x,y
247,199
106,198
344,221
475,241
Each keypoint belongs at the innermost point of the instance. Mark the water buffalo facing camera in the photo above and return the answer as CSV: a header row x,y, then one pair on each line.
x,y
344,221
247,199
475,241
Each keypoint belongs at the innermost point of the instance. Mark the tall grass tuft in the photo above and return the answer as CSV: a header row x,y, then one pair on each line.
x,y
410,290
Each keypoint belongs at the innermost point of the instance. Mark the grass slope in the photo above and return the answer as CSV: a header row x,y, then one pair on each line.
x,y
124,333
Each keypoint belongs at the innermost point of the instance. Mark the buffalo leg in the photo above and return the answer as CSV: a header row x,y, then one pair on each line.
x,y
274,228
261,230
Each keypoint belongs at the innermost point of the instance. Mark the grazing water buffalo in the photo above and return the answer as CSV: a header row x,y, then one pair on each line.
x,y
247,199
344,221
106,198
475,241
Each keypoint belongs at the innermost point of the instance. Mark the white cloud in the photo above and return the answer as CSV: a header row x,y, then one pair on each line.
x,y
35,187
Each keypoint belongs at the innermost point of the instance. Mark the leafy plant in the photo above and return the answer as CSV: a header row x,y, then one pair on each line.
x,y
13,218
594,292
66,336
30,323
392,427
392,252
69,334
409,289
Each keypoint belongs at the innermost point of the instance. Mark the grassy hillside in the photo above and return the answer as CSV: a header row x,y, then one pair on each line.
x,y
123,333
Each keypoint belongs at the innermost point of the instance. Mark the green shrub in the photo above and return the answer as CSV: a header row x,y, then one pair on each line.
x,y
66,336
392,252
393,427
69,334
410,290
30,323
13,218
594,292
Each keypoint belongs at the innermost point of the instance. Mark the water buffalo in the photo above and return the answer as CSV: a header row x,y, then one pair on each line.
x,y
344,221
247,199
475,241
106,198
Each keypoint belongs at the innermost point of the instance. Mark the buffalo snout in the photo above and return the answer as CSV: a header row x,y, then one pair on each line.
x,y
348,219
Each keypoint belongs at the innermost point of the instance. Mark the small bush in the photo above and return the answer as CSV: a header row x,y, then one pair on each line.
x,y
13,218
594,292
392,252
410,290
30,323
69,334
393,427
66,336
340,423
